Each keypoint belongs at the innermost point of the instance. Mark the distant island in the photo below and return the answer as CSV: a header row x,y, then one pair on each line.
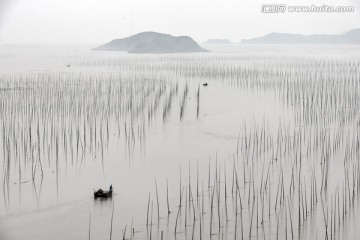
x,y
152,42
351,37
218,41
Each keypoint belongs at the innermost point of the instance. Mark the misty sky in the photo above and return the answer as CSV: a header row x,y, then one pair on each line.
x,y
99,21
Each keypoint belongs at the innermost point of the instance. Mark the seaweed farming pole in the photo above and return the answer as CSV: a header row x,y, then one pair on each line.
x,y
157,200
89,226
112,218
167,196
147,212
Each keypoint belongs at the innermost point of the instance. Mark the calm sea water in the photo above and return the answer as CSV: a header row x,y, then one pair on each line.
x,y
136,152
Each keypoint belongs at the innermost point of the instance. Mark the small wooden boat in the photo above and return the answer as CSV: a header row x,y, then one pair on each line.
x,y
205,84
103,194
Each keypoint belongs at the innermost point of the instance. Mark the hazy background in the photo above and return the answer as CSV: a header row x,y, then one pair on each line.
x,y
95,21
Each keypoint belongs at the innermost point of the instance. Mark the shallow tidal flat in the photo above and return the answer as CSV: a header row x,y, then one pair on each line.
x,y
268,150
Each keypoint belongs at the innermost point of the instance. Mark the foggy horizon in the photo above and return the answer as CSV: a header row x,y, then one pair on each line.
x,y
91,22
